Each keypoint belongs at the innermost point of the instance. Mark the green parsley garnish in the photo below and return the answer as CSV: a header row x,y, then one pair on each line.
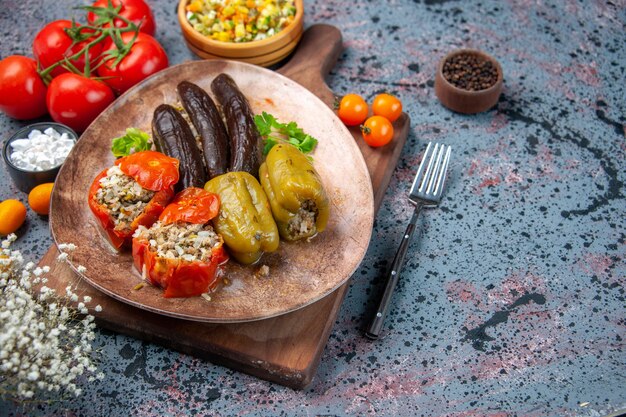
x,y
134,140
269,126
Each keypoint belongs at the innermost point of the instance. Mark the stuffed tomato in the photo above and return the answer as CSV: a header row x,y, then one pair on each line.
x,y
132,193
181,252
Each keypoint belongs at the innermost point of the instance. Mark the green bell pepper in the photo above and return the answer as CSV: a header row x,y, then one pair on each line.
x,y
298,200
245,218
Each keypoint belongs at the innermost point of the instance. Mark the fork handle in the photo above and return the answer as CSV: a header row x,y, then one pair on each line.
x,y
376,325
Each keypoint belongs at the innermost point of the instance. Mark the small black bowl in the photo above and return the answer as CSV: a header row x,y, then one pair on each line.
x,y
27,180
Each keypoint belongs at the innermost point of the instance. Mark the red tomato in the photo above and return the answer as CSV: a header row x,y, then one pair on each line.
x,y
53,44
179,278
377,131
76,101
22,91
137,11
152,170
192,205
123,237
352,110
387,106
146,57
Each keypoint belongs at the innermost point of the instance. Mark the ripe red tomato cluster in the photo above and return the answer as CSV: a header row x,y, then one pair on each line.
x,y
376,130
78,70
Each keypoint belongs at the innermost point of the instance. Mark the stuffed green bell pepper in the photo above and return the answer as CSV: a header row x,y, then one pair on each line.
x,y
245,218
294,189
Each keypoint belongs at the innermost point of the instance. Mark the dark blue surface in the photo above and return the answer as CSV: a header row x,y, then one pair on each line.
x,y
512,300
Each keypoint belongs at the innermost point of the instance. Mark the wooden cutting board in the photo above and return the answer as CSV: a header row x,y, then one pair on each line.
x,y
284,349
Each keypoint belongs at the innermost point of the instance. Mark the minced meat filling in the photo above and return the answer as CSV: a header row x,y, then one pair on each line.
x,y
124,197
303,223
190,242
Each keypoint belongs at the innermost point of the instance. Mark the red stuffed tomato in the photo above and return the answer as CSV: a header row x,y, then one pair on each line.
x,y
146,56
181,253
132,194
76,101
137,11
22,91
152,170
192,205
53,44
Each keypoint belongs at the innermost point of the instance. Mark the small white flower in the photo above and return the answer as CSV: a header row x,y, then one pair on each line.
x,y
62,257
81,269
98,308
42,348
67,247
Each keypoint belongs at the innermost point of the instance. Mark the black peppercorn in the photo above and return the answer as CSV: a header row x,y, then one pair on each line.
x,y
470,72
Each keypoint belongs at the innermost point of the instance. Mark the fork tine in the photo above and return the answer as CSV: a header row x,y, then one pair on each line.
x,y
432,180
419,175
441,180
428,168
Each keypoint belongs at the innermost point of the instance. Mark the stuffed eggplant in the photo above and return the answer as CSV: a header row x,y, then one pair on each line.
x,y
208,123
132,193
172,136
246,145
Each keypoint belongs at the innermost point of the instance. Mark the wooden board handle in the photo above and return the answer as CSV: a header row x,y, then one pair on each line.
x,y
324,43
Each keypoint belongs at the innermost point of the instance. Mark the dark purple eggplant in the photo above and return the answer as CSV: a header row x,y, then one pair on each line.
x,y
173,137
246,145
209,125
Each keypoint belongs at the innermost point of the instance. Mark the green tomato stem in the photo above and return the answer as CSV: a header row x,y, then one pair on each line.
x,y
104,31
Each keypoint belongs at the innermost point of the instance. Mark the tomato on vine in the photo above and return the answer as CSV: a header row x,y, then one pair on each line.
x,y
387,106
76,100
114,45
377,131
22,91
124,68
135,11
62,39
352,110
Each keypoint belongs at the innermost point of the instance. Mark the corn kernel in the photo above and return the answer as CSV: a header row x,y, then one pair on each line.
x,y
240,31
228,11
195,6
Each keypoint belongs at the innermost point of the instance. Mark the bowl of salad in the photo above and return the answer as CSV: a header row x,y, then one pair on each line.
x,y
261,32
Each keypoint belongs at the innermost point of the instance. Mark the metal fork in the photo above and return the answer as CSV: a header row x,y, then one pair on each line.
x,y
426,191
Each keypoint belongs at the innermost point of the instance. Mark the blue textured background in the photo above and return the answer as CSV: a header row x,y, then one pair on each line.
x,y
512,300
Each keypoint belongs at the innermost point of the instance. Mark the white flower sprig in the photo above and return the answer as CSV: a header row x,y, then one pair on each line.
x,y
45,341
